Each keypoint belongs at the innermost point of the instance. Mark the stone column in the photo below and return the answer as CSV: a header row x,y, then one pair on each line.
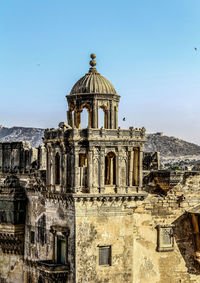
x,y
76,169
53,168
47,166
65,170
77,119
111,170
89,169
26,279
42,157
69,117
108,124
140,168
116,117
102,170
95,117
118,179
130,173
62,160
135,167
112,117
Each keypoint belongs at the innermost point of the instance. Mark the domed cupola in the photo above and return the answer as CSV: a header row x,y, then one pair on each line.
x,y
93,82
93,92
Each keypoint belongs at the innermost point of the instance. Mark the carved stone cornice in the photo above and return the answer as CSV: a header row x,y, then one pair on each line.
x,y
57,196
95,197
110,197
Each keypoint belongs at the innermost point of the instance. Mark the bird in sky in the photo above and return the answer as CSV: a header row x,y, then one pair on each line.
x,y
124,119
195,49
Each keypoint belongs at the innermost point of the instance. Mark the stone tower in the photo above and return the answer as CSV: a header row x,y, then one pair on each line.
x,y
97,172
94,220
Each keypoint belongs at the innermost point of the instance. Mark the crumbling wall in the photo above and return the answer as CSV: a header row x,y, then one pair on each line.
x,y
20,157
151,160
11,268
55,212
103,224
178,265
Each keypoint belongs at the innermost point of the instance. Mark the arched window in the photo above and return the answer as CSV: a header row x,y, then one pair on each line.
x,y
41,225
84,118
102,118
57,169
110,169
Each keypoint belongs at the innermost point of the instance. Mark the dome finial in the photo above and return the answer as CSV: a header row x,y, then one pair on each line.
x,y
93,63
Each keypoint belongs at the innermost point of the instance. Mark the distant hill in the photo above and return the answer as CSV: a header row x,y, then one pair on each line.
x,y
33,135
167,146
170,146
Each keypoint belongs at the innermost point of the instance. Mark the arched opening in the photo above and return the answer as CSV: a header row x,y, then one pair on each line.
x,y
85,119
70,114
101,118
110,169
41,225
57,169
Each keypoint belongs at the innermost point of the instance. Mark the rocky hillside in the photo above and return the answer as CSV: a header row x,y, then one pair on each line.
x,y
33,135
170,146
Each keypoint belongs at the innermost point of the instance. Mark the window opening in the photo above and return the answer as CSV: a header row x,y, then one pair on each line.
x,y
85,118
101,118
32,237
57,169
42,229
110,169
61,250
82,160
105,255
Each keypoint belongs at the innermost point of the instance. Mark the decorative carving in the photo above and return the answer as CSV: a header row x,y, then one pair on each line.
x,y
12,243
165,240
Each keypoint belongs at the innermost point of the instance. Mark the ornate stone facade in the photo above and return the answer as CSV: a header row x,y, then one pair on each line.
x,y
94,217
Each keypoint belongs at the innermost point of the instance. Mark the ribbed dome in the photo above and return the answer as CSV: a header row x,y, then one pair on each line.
x,y
93,82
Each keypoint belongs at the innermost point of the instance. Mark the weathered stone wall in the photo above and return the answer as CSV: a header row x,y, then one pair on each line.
x,y
178,265
151,161
20,157
126,224
130,228
56,212
11,268
103,224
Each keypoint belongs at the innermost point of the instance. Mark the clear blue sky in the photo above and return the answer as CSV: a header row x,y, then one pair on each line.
x,y
144,47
